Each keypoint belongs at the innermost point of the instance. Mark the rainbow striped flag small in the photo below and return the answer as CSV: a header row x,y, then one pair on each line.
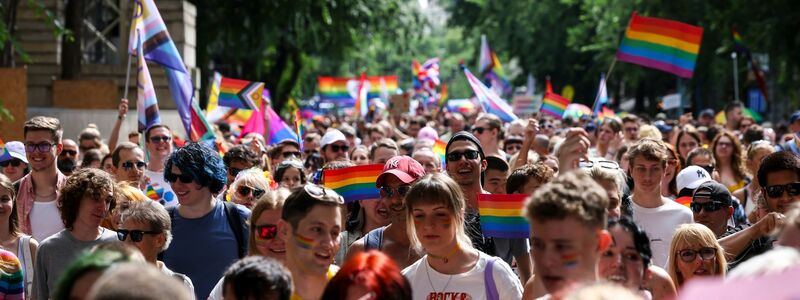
x,y
354,183
554,105
501,216
440,148
662,44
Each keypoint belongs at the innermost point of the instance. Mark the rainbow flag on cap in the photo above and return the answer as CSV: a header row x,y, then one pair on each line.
x,y
354,183
501,216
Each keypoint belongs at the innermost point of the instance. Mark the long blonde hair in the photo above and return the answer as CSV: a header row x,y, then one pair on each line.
x,y
694,235
437,188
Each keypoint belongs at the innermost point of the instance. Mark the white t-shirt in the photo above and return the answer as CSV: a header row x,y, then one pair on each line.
x,y
660,224
157,189
45,220
469,285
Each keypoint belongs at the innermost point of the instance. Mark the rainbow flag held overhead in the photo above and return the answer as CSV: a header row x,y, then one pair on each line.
x,y
606,112
501,216
491,69
338,89
354,183
238,93
440,147
491,102
146,101
661,44
738,43
554,105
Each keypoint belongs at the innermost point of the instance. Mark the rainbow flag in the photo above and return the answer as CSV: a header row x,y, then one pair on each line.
x,y
555,105
440,147
606,113
685,200
738,43
661,44
362,106
489,100
491,69
501,216
354,183
336,88
238,93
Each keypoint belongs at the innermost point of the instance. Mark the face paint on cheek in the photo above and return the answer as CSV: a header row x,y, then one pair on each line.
x,y
304,242
569,261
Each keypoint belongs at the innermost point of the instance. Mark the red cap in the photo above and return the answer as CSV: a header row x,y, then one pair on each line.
x,y
403,167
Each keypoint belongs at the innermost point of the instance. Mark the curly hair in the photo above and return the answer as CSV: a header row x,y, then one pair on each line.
x,y
202,163
93,183
520,176
573,194
243,153
737,161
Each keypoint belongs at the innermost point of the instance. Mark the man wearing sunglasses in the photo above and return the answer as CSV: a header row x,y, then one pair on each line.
x,y
208,234
128,163
237,159
36,199
489,131
712,206
334,146
13,163
68,158
158,142
399,173
148,227
283,150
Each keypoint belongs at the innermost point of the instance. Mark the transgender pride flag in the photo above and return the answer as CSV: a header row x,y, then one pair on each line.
x,y
489,100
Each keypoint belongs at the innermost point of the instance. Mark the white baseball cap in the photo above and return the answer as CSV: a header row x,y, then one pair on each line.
x,y
332,136
691,177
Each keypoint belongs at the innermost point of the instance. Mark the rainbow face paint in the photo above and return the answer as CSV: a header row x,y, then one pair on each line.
x,y
304,242
569,261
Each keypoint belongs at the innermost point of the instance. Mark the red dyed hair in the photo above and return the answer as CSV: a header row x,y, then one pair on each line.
x,y
373,271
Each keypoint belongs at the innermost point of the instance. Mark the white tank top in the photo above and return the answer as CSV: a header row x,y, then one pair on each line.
x,y
45,220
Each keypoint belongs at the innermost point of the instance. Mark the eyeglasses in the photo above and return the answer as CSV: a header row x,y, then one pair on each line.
x,y
309,152
131,164
711,206
775,191
469,154
605,164
479,130
41,147
266,231
157,139
389,192
136,235
337,148
172,177
69,152
288,154
319,193
14,163
689,255
245,191
234,171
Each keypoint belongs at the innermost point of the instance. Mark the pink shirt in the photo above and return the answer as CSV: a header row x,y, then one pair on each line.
x,y
27,195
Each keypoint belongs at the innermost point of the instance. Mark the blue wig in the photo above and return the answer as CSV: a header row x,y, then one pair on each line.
x,y
202,163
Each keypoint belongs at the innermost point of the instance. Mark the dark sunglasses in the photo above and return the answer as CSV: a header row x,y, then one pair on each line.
x,y
708,168
136,235
14,163
131,164
69,152
319,193
479,130
469,154
288,154
689,255
267,231
43,147
172,177
245,191
337,148
388,192
234,171
708,206
775,191
157,139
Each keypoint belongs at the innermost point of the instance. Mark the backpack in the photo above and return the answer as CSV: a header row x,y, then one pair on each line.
x,y
234,220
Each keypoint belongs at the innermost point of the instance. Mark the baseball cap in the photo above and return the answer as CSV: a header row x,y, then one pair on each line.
x,y
795,117
715,191
707,113
662,126
14,150
691,177
332,136
403,167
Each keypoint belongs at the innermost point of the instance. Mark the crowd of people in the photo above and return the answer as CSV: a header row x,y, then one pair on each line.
x,y
632,207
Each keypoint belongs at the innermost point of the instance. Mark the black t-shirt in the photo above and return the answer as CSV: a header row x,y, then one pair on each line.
x,y
472,225
756,247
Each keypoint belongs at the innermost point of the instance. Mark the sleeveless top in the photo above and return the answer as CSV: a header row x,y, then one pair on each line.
x,y
374,239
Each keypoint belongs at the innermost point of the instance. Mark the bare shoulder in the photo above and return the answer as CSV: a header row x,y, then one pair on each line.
x,y
356,247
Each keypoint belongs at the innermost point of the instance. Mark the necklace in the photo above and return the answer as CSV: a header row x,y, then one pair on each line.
x,y
427,271
445,258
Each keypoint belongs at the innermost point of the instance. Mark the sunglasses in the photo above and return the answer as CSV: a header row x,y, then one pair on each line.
x,y
689,255
479,130
388,192
43,147
708,168
319,193
605,164
172,177
288,154
14,163
158,139
469,154
131,164
245,191
234,171
337,148
136,235
266,231
708,206
514,146
309,152
69,152
775,191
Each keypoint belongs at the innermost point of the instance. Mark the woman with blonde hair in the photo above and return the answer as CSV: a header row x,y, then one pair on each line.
x,y
695,252
435,205
729,159
755,152
248,186
21,246
126,194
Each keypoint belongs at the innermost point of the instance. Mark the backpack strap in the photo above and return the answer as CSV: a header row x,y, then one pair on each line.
x,y
235,221
488,276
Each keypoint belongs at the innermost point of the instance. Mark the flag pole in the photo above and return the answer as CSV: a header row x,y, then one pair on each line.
x,y
735,59
605,80
128,72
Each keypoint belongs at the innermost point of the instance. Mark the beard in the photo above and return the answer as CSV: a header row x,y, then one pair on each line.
x,y
66,165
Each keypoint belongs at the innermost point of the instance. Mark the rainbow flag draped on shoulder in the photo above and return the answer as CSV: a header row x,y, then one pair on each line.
x,y
501,216
662,44
354,183
491,102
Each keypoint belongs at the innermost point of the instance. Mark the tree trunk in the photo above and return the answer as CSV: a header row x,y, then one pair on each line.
x,y
71,49
287,85
10,20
